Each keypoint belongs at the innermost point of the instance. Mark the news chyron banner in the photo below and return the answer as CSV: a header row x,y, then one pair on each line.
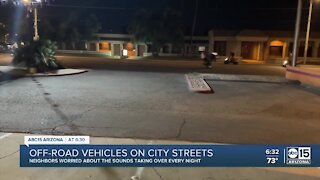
x,y
76,151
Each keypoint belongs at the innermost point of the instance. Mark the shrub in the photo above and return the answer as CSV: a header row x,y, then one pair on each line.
x,y
40,54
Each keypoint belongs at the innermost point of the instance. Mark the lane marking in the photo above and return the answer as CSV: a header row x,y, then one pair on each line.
x,y
5,135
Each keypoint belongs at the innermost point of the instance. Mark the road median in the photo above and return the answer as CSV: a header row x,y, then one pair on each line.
x,y
14,72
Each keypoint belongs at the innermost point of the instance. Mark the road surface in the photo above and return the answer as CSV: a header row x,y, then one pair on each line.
x,y
151,100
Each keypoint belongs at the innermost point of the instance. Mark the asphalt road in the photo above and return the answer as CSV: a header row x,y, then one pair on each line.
x,y
170,66
150,100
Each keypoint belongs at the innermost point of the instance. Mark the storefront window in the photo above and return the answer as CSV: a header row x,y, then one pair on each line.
x,y
301,51
276,48
165,49
105,46
176,50
276,51
130,47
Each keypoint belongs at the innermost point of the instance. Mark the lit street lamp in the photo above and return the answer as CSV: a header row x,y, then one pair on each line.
x,y
32,6
306,47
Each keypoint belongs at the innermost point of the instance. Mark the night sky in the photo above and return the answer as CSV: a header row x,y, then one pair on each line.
x,y
116,15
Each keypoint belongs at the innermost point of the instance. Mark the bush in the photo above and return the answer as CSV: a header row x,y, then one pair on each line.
x,y
40,54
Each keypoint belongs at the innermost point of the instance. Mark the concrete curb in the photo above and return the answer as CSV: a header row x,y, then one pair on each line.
x,y
197,83
22,72
244,78
12,71
306,75
60,72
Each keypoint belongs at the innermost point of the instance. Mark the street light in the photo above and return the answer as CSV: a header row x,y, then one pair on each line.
x,y
306,47
32,5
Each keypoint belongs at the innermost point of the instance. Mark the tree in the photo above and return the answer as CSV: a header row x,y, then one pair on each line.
x,y
91,26
73,29
157,28
2,32
76,27
69,31
38,54
32,6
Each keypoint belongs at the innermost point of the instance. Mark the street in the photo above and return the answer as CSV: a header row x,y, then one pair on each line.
x,y
138,102
151,100
171,66
159,90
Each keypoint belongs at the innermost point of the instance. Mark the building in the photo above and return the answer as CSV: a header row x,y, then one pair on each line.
x,y
262,45
118,44
246,44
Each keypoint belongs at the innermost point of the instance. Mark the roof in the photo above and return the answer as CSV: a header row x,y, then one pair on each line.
x,y
261,33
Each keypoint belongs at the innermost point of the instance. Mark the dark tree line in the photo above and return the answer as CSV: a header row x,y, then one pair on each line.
x,y
157,28
74,28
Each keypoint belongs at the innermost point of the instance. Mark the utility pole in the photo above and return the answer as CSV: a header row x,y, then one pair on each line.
x,y
296,34
195,17
308,34
32,6
36,36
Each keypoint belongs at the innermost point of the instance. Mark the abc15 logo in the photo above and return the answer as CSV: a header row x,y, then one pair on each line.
x,y
301,153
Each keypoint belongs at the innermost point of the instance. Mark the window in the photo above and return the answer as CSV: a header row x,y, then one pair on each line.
x,y
276,51
129,46
276,48
291,48
176,50
301,51
220,47
105,46
149,47
92,47
165,49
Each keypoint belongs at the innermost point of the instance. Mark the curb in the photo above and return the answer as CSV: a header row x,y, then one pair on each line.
x,y
23,72
197,83
307,76
12,71
244,78
60,72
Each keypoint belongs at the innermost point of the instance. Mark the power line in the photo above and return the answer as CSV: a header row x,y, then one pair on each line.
x,y
85,7
122,9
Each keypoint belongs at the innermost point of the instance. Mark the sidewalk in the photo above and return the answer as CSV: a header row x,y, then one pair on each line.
x,y
306,74
10,170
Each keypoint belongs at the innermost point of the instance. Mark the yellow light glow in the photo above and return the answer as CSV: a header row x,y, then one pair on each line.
x,y
277,43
